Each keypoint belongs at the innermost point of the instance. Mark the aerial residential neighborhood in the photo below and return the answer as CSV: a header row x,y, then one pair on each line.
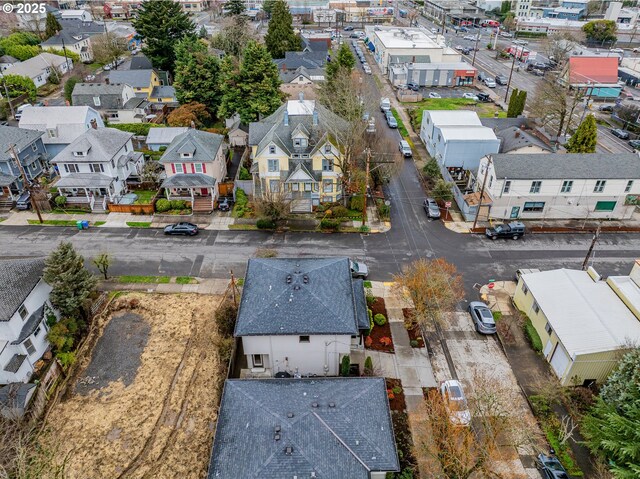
x,y
288,239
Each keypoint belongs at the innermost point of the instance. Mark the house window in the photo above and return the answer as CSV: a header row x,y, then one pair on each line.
x,y
533,206
272,150
34,147
627,188
307,187
506,187
29,347
605,206
297,142
327,165
126,148
179,167
566,186
71,168
327,148
305,339
198,167
273,165
96,168
22,311
490,182
535,307
257,360
295,187
547,328
274,186
96,101
37,331
52,133
599,188
535,187
327,186
525,290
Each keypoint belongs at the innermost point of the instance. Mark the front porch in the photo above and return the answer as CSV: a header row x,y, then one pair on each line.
x,y
91,189
198,189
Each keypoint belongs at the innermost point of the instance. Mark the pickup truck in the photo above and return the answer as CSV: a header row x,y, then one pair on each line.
x,y
514,230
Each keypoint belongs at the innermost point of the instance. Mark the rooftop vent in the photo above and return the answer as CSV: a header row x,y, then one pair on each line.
x,y
288,450
305,279
314,404
278,428
277,437
289,279
332,404
289,415
296,287
313,473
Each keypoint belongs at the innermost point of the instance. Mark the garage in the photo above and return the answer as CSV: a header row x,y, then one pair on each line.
x,y
559,360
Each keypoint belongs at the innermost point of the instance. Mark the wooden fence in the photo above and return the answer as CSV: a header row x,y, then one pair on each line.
x,y
133,209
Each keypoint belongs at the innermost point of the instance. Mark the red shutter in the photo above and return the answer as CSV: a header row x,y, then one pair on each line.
x,y
204,167
193,168
173,167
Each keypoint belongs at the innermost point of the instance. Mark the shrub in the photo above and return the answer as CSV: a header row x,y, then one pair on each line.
x,y
497,316
61,200
66,359
224,347
368,363
345,366
244,174
397,390
385,341
265,224
238,211
328,224
225,317
541,405
432,170
390,394
339,212
582,398
368,342
163,205
364,229
532,335
357,202
178,204
241,198
414,343
380,319
371,299
383,209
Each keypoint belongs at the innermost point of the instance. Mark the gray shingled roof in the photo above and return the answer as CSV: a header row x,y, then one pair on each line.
x,y
362,315
18,277
294,60
20,137
163,91
30,325
15,395
76,27
599,166
110,95
84,180
513,138
297,296
135,78
140,62
6,180
102,145
15,362
206,146
346,436
164,136
70,38
189,180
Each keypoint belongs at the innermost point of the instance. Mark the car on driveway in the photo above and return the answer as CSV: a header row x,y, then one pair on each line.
x,y
433,94
359,270
484,97
391,120
470,96
550,467
489,82
623,135
431,208
413,86
501,80
513,230
455,402
482,317
183,228
635,144
224,204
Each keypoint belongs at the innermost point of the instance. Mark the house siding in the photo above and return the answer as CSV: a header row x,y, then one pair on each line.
x,y
287,353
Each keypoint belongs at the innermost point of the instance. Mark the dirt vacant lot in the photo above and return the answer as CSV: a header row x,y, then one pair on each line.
x,y
145,404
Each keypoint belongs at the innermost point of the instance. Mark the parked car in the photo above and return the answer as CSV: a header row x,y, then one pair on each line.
x,y
455,402
385,105
20,109
506,34
358,270
513,230
482,76
623,135
405,149
482,317
24,201
431,208
550,467
635,144
466,51
391,120
413,86
490,82
367,69
616,50
183,228
484,97
433,94
607,108
224,204
501,80
537,72
349,28
470,96
354,35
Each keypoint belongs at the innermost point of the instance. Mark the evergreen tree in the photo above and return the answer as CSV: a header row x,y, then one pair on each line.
x,y
203,32
251,88
52,26
513,104
280,36
344,61
585,138
161,24
68,88
71,281
197,74
234,7
267,7
522,100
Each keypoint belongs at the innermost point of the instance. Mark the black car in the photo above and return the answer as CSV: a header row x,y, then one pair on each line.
x,y
550,467
607,108
514,230
623,135
484,97
635,144
181,229
466,51
501,80
413,86
224,204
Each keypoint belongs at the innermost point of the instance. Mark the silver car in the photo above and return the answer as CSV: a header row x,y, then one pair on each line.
x,y
431,208
482,317
359,270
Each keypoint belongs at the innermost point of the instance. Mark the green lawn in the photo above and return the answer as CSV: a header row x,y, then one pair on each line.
x,y
401,128
144,196
186,280
53,222
99,223
138,224
483,109
144,279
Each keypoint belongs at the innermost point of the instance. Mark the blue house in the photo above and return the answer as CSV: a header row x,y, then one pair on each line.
x,y
568,10
31,153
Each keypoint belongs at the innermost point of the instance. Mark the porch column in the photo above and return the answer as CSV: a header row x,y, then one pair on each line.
x,y
86,193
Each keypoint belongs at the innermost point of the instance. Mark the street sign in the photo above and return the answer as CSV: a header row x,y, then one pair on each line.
x,y
447,204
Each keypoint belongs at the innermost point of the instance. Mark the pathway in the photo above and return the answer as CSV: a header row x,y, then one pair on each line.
x,y
204,286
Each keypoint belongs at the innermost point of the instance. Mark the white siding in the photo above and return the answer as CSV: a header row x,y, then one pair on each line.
x,y
287,353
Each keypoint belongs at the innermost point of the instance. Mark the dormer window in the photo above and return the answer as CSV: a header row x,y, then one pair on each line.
x,y
300,142
80,153
52,132
186,155
327,148
272,150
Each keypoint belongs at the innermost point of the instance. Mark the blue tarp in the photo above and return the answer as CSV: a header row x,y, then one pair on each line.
x,y
371,47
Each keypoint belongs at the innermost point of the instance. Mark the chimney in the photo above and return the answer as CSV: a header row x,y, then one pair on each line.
x,y
94,124
106,80
286,118
284,67
192,125
315,117
517,133
301,97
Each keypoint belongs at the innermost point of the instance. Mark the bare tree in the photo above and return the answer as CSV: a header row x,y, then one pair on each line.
x,y
102,262
275,204
108,48
567,427
559,45
555,104
234,35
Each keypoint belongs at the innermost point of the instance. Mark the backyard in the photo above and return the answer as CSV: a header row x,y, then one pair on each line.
x,y
144,403
483,109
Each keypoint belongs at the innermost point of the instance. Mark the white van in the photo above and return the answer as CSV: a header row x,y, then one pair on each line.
x,y
405,149
385,105
20,109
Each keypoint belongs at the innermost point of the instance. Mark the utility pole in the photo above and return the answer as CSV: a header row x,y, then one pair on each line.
x,y
66,60
27,183
233,288
588,101
366,187
513,63
590,251
6,90
475,49
484,182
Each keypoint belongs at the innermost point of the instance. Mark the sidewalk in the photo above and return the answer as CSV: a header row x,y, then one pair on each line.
x,y
204,286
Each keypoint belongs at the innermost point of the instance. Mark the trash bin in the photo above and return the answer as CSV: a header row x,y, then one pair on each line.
x,y
85,224
79,224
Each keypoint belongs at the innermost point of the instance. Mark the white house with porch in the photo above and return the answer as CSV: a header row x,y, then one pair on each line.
x,y
94,168
195,164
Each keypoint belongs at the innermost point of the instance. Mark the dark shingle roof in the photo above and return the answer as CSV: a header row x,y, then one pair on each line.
x,y
348,440
190,180
15,395
163,92
110,95
362,314
18,277
15,362
30,325
514,138
69,38
140,62
297,296
135,78
205,146
20,137
599,166
75,26
294,60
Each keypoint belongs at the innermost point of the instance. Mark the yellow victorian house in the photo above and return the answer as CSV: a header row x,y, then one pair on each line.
x,y
293,152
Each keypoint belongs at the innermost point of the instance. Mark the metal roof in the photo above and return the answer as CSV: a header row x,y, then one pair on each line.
x,y
330,428
189,180
18,277
164,136
206,147
442,118
84,180
468,133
